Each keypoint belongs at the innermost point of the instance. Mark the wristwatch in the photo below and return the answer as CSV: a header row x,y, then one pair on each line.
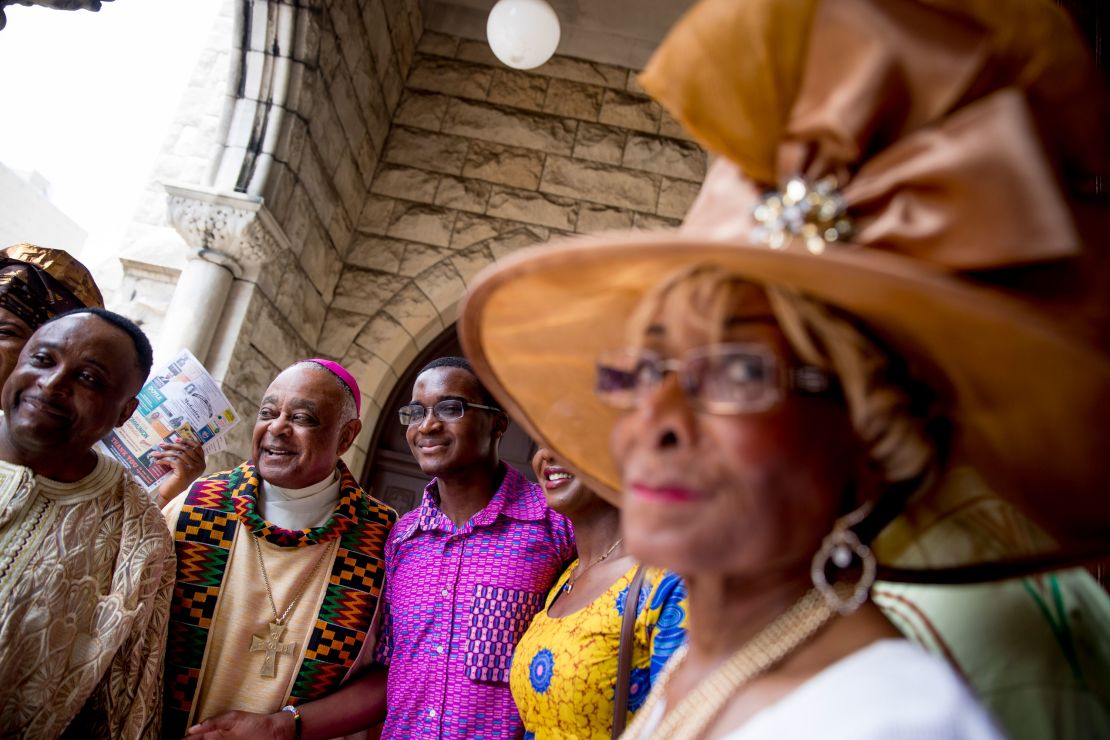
x,y
296,712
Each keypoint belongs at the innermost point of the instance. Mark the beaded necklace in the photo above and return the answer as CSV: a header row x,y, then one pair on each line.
x,y
691,716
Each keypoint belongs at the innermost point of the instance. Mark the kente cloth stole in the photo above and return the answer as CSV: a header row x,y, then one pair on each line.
x,y
203,537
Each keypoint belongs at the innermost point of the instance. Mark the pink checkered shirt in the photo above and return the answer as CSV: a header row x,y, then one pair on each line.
x,y
455,602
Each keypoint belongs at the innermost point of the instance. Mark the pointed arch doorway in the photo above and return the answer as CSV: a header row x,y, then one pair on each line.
x,y
391,473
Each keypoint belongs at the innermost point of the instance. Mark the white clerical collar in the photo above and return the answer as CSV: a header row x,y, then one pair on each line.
x,y
293,494
300,508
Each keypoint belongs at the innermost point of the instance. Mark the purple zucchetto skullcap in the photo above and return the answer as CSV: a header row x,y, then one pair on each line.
x,y
344,375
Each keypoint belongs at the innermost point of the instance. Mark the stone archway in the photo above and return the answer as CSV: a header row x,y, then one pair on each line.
x,y
412,321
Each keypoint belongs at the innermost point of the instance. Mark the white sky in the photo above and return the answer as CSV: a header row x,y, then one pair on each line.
x,y
88,99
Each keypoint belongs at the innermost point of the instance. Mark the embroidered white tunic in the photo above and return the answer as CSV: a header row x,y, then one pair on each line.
x,y
86,575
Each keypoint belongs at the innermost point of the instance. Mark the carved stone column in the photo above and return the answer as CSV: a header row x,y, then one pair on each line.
x,y
230,236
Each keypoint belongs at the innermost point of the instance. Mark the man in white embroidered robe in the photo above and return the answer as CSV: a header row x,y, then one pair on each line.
x,y
86,566
279,561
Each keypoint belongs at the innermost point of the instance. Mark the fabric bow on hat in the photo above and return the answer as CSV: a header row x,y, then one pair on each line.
x,y
963,187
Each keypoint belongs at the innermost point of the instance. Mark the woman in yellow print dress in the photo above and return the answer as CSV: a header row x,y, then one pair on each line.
x,y
564,669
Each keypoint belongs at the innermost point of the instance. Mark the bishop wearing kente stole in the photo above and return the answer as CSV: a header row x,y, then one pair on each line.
x,y
279,561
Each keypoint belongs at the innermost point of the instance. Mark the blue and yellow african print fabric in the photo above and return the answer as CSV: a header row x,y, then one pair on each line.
x,y
564,670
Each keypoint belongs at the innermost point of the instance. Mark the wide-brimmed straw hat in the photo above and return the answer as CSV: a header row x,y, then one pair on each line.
x,y
930,167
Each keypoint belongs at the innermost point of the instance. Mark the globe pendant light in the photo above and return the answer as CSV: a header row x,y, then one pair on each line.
x,y
522,33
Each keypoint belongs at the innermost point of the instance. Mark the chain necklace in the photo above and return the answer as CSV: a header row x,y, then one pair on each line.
x,y
271,644
696,711
569,586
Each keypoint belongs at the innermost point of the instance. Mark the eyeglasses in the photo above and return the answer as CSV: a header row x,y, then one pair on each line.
x,y
720,378
449,409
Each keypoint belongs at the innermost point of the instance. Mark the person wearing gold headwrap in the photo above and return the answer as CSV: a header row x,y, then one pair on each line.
x,y
879,345
39,283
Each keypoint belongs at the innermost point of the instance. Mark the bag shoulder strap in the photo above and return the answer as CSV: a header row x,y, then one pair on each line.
x,y
624,653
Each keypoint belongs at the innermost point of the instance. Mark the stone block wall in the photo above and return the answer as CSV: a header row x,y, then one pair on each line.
x,y
482,160
346,80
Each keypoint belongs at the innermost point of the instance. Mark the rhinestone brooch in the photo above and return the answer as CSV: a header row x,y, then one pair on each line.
x,y
814,213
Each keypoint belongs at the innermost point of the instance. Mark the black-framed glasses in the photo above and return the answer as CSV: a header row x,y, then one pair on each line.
x,y
449,409
720,378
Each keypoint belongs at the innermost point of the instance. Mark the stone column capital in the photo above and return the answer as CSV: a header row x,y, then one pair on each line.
x,y
232,230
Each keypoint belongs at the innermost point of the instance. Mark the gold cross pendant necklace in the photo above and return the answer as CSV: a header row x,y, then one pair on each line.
x,y
271,644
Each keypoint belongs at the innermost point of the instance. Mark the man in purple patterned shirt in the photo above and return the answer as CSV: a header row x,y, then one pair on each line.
x,y
466,570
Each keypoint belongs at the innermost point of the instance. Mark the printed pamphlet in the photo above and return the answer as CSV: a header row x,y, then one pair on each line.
x,y
180,401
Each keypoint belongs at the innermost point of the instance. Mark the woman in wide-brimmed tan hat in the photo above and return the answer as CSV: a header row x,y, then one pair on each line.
x,y
879,345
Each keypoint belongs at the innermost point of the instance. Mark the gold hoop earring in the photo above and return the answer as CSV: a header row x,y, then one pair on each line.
x,y
839,550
